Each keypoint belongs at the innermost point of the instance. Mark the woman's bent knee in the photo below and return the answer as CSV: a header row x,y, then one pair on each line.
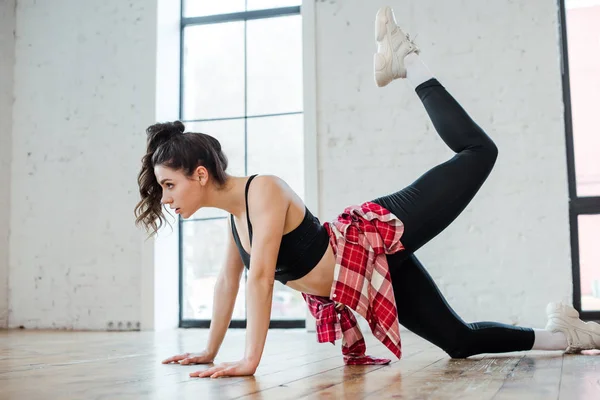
x,y
492,151
459,352
461,344
487,153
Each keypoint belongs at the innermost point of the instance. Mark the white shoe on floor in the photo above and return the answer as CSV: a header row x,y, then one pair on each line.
x,y
580,335
392,46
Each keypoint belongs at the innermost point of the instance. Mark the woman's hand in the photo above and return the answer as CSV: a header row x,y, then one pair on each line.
x,y
239,368
191,358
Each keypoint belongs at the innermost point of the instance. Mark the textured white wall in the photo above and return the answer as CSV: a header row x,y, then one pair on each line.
x,y
7,61
85,87
508,254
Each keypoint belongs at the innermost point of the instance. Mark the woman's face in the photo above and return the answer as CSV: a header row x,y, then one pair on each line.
x,y
181,193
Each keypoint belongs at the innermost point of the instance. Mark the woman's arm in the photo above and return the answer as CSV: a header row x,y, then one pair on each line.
x,y
268,207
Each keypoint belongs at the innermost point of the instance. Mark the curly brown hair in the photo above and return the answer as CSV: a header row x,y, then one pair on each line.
x,y
168,144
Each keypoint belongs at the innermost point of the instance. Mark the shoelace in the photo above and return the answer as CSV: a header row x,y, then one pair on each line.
x,y
412,42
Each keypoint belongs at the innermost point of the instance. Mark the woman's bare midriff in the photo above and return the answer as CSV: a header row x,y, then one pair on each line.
x,y
319,280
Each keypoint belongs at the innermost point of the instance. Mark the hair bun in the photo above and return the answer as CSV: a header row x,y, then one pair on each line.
x,y
163,132
178,125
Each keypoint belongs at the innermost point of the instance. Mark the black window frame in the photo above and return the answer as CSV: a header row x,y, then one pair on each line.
x,y
578,205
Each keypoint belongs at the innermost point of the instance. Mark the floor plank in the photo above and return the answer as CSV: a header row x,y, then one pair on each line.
x,y
580,377
127,365
537,374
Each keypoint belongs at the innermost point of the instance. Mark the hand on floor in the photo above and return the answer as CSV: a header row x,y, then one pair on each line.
x,y
239,368
191,358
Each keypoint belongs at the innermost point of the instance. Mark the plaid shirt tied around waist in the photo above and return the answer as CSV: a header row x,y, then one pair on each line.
x,y
360,236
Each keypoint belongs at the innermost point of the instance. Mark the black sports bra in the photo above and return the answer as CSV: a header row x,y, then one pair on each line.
x,y
300,250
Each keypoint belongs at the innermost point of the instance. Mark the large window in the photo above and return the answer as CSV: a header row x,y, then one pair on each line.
x,y
581,82
241,82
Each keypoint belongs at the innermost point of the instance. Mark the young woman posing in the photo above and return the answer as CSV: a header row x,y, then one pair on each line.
x,y
368,246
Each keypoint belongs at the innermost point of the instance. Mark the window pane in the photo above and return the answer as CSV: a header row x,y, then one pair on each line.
x,y
583,34
276,146
230,133
203,256
263,4
274,65
213,71
589,261
200,8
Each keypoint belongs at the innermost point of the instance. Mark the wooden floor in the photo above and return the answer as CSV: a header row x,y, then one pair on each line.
x,y
126,365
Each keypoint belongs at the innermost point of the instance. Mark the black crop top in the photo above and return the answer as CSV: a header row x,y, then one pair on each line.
x,y
300,250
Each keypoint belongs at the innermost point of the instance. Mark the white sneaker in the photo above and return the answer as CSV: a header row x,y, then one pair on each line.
x,y
392,46
580,335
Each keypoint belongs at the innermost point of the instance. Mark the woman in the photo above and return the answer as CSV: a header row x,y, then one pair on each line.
x,y
277,237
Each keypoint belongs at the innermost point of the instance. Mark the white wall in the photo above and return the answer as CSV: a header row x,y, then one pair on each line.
x,y
7,60
85,89
508,254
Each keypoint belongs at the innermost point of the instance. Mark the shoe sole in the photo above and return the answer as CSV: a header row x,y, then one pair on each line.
x,y
380,23
381,32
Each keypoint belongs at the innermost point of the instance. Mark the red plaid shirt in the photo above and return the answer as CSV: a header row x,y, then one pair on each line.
x,y
360,237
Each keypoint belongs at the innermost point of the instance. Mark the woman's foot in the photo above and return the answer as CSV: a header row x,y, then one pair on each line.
x,y
392,46
580,335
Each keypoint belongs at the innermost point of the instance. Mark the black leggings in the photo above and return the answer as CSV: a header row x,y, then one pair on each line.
x,y
426,207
